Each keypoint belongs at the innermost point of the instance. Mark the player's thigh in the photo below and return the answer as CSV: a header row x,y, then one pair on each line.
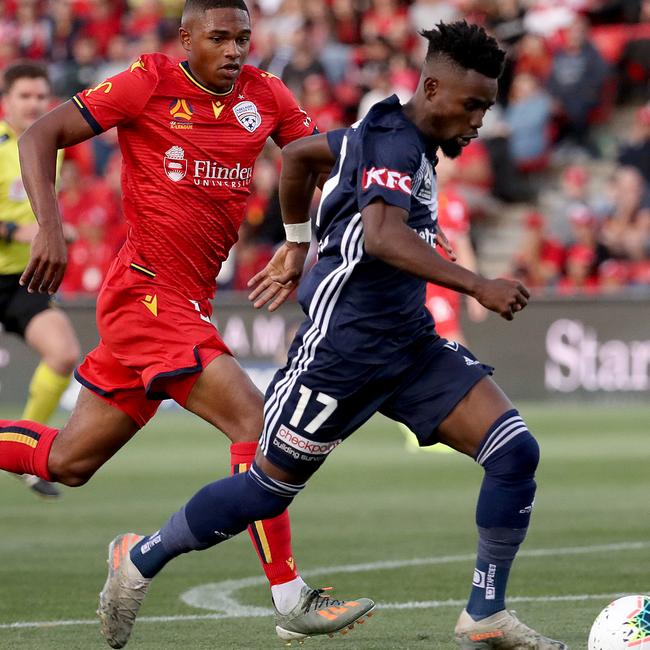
x,y
50,333
95,431
311,409
225,396
465,427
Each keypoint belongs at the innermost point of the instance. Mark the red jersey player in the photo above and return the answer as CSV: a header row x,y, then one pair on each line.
x,y
189,132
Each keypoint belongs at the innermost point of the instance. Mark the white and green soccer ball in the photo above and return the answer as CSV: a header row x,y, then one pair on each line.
x,y
622,625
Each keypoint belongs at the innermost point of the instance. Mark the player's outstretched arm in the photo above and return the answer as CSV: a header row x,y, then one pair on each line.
x,y
388,238
62,127
304,162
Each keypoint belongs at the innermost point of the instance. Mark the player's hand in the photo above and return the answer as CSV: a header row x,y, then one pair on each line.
x,y
443,242
47,262
505,297
274,284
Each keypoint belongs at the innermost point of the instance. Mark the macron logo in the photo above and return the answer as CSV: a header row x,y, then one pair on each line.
x,y
387,178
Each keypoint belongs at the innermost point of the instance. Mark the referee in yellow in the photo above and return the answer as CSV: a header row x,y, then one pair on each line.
x,y
26,96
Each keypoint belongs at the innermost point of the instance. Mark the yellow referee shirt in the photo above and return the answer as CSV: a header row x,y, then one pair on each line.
x,y
14,204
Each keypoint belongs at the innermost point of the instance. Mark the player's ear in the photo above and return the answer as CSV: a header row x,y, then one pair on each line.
x,y
186,39
430,87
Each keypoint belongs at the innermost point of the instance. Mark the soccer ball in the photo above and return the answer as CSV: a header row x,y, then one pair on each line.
x,y
622,625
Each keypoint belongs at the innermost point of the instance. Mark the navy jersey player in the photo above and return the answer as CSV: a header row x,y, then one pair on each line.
x,y
369,345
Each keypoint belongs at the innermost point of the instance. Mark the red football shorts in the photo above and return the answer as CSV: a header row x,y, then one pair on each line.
x,y
444,305
154,342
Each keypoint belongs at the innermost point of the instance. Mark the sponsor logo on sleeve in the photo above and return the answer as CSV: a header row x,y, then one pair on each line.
x,y
107,86
388,178
247,115
137,64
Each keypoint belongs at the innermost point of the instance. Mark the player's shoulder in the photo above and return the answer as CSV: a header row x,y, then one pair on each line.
x,y
388,117
154,64
251,73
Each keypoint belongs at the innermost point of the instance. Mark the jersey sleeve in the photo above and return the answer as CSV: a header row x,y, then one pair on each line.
x,y
335,140
119,98
388,165
293,121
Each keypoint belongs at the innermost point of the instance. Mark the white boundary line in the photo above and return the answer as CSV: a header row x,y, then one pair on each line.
x,y
219,596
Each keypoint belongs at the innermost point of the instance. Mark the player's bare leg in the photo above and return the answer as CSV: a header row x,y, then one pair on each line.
x,y
51,335
95,431
485,426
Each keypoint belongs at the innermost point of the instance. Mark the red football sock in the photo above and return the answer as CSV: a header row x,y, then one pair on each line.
x,y
271,537
25,447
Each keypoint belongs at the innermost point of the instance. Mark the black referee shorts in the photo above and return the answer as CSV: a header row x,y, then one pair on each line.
x,y
18,306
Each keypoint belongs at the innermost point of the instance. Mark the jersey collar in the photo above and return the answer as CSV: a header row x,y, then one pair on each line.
x,y
185,67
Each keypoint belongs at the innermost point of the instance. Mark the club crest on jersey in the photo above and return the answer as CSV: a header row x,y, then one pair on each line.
x,y
175,164
388,178
247,115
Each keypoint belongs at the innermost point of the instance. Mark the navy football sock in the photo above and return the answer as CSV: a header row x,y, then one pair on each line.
x,y
509,454
215,513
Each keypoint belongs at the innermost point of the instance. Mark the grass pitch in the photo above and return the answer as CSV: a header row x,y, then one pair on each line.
x,y
404,519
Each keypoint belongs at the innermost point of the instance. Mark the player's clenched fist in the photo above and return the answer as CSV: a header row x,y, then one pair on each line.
x,y
505,297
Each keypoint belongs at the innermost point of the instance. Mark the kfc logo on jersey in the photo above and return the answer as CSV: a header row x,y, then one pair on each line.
x,y
175,164
387,178
247,115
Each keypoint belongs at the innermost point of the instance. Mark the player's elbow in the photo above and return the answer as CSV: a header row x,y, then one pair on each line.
x,y
376,243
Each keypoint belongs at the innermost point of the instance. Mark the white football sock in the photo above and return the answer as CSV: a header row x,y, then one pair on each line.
x,y
287,595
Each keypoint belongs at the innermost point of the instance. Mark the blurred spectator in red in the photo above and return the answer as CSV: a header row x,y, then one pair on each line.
x,y
93,209
320,105
579,272
388,19
347,22
576,83
635,152
585,231
626,231
540,258
103,25
528,117
32,31
146,16
533,57
613,275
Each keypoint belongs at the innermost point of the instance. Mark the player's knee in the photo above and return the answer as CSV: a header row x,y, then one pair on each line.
x,y
63,361
69,471
268,497
515,459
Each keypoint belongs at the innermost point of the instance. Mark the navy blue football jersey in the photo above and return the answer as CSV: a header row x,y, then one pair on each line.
x,y
364,307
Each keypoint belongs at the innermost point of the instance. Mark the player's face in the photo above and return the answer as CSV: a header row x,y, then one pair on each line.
x,y
217,43
25,102
457,101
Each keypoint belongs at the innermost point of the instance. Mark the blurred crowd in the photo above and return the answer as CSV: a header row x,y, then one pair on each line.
x,y
572,67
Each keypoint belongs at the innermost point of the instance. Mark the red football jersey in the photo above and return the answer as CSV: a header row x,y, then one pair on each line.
x,y
188,157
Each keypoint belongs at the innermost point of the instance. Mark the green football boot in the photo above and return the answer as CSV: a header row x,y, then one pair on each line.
x,y
317,614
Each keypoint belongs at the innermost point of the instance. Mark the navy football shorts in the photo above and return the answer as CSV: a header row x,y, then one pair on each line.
x,y
319,398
